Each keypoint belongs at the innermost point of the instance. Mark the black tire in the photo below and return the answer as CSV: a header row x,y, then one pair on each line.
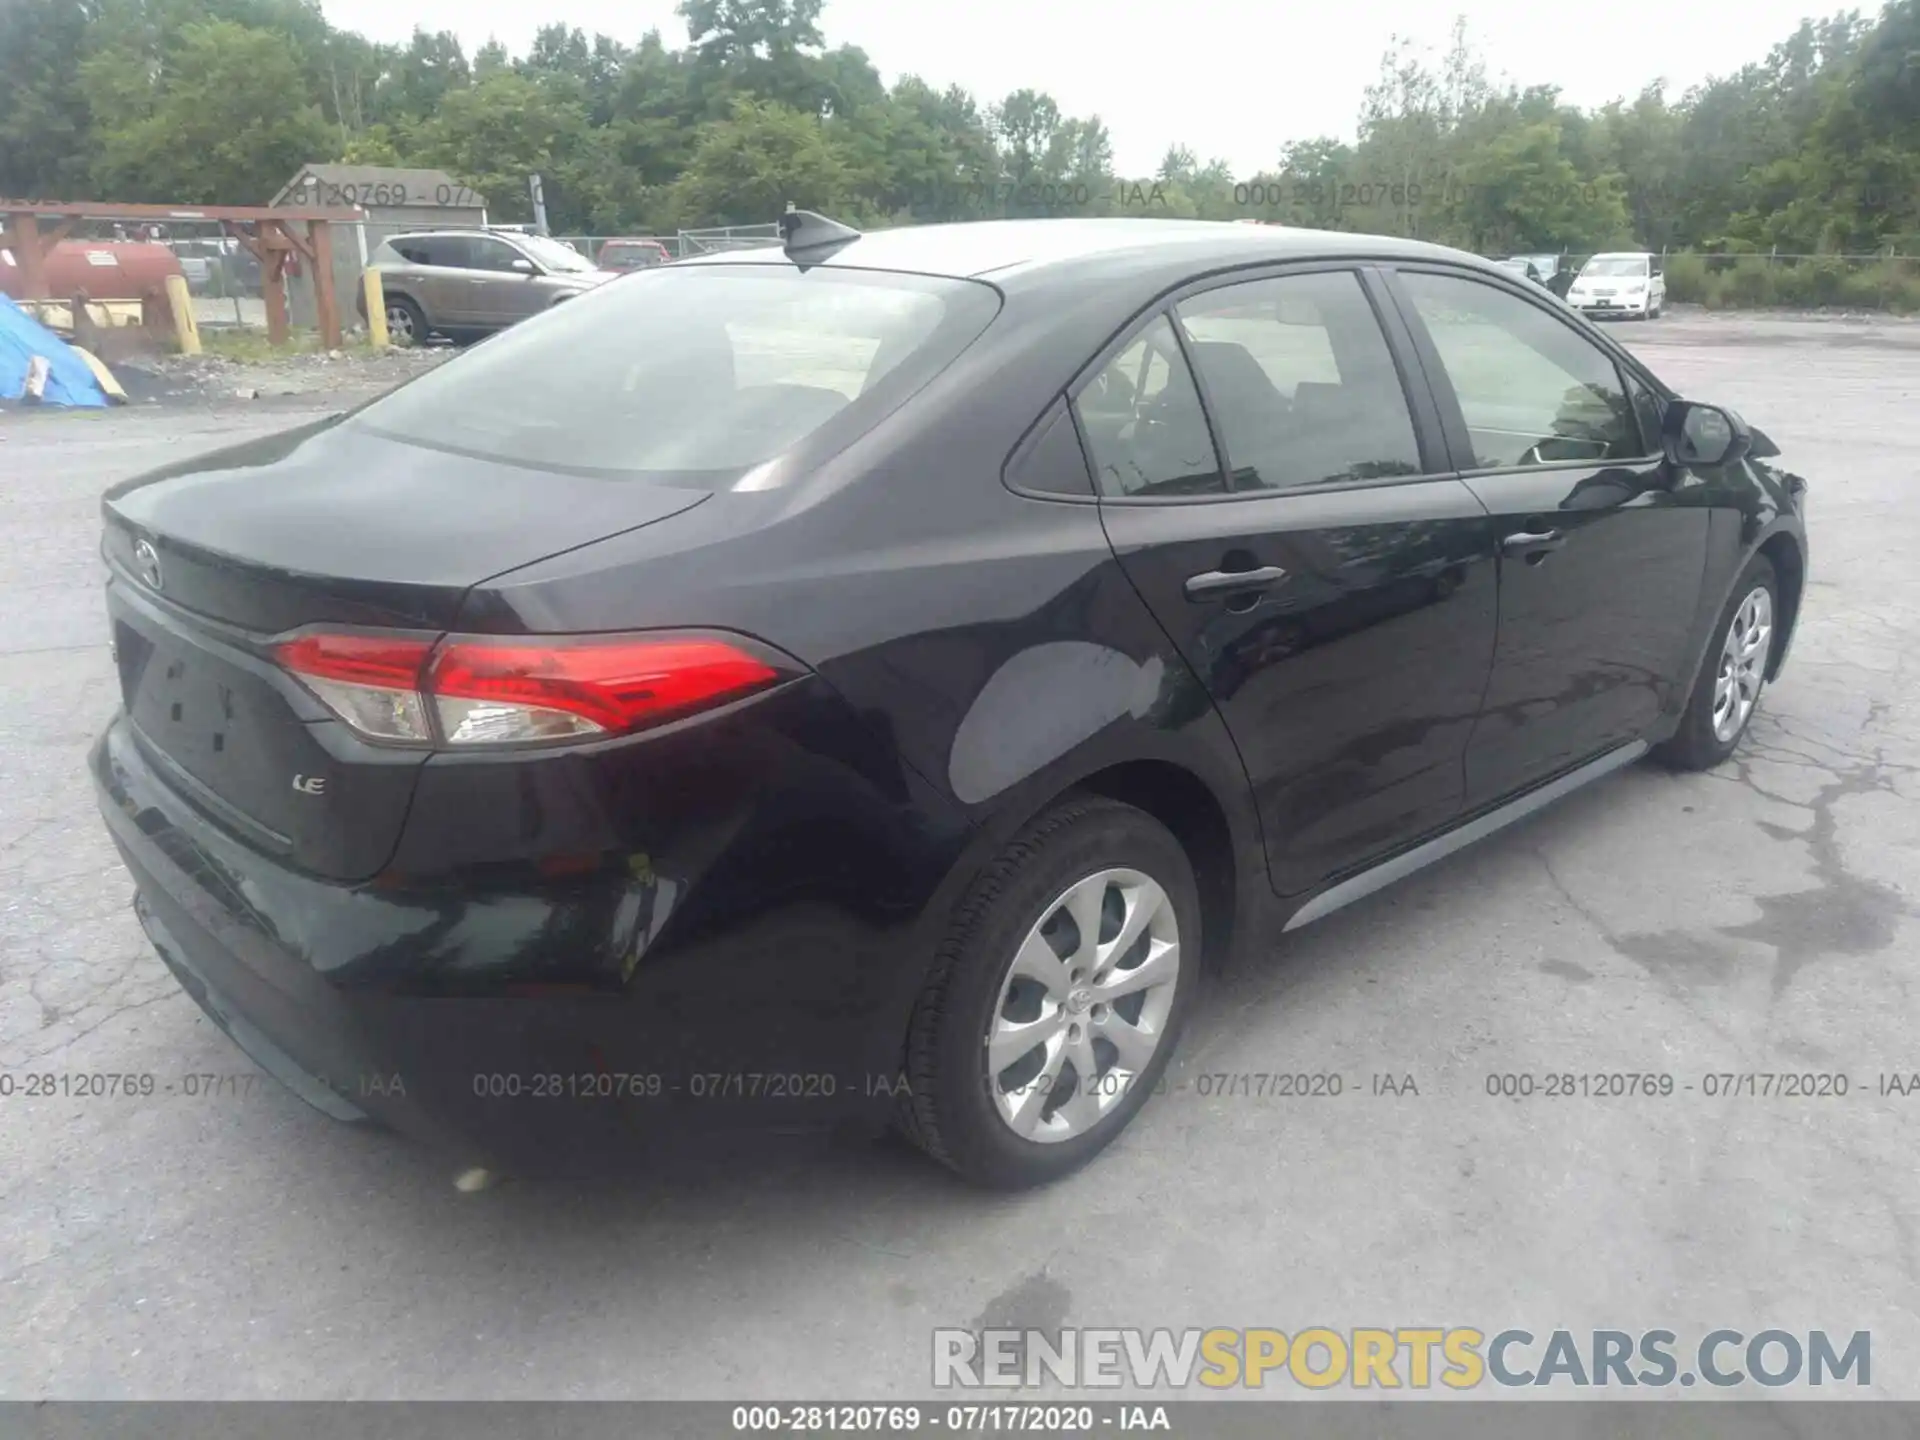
x,y
416,332
950,1113
1694,745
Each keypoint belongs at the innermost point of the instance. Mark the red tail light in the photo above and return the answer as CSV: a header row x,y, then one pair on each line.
x,y
489,690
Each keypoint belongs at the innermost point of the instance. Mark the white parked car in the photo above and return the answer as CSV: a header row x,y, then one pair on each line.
x,y
1622,283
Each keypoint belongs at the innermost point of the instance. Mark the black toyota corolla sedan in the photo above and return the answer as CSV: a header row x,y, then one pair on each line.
x,y
875,679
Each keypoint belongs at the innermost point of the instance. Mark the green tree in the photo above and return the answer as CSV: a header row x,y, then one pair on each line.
x,y
45,124
1814,148
1080,151
760,49
225,123
496,134
1177,166
421,77
1522,193
1641,142
750,165
921,154
1023,127
1316,184
490,59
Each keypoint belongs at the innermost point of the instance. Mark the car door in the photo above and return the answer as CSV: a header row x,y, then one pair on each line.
x,y
502,294
434,276
1274,484
1602,551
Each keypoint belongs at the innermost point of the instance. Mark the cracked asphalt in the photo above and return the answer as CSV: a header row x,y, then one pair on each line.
x,y
1763,918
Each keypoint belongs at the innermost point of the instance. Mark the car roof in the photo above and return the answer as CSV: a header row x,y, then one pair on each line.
x,y
1622,255
1031,249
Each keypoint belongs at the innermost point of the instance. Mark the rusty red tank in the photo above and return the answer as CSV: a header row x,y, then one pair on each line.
x,y
104,269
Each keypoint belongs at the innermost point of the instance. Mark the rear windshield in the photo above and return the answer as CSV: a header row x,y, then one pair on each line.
x,y
692,375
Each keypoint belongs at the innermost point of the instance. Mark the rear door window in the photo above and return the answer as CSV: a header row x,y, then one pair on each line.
x,y
452,252
447,252
1143,423
1300,383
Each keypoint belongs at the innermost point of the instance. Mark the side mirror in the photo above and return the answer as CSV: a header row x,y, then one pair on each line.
x,y
1704,435
523,267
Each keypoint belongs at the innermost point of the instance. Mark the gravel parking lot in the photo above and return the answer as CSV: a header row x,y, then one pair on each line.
x,y
1760,919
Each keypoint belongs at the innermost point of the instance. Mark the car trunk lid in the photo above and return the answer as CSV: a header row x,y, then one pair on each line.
x,y
211,560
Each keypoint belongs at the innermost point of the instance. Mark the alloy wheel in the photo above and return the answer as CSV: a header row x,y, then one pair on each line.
x,y
1743,664
400,325
1084,1005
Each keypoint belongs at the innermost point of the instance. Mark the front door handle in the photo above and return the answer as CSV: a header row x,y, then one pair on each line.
x,y
1533,542
1232,582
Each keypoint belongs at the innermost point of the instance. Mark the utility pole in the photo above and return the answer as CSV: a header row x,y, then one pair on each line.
x,y
539,205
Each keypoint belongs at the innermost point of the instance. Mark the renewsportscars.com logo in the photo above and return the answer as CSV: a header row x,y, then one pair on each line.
x,y
1417,1358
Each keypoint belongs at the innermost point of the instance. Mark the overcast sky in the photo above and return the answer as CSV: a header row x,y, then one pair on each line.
x,y
1230,80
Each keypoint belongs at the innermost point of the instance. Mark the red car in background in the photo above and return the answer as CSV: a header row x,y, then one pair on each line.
x,y
632,255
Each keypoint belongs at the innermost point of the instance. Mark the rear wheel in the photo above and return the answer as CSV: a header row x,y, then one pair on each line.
x,y
1057,998
406,323
1727,690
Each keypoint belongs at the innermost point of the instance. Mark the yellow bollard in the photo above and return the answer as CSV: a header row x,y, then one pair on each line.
x,y
186,329
376,310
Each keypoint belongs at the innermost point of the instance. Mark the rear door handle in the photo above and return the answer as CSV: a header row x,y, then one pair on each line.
x,y
1533,542
1231,582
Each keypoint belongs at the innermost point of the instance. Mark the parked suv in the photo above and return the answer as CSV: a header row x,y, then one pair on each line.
x,y
464,284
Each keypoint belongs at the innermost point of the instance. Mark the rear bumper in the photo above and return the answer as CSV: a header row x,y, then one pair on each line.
x,y
1612,307
351,996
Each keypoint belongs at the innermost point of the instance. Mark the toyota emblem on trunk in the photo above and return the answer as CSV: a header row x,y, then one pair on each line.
x,y
147,561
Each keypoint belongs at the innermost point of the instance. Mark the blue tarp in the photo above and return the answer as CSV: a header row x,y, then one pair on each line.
x,y
69,380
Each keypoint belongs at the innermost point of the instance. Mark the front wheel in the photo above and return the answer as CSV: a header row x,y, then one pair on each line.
x,y
1057,998
1726,692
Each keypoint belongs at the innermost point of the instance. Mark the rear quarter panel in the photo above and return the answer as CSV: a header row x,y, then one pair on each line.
x,y
987,641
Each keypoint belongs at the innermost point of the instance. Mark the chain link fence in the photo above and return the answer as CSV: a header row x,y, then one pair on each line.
x,y
222,276
1772,279
224,279
113,265
681,243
